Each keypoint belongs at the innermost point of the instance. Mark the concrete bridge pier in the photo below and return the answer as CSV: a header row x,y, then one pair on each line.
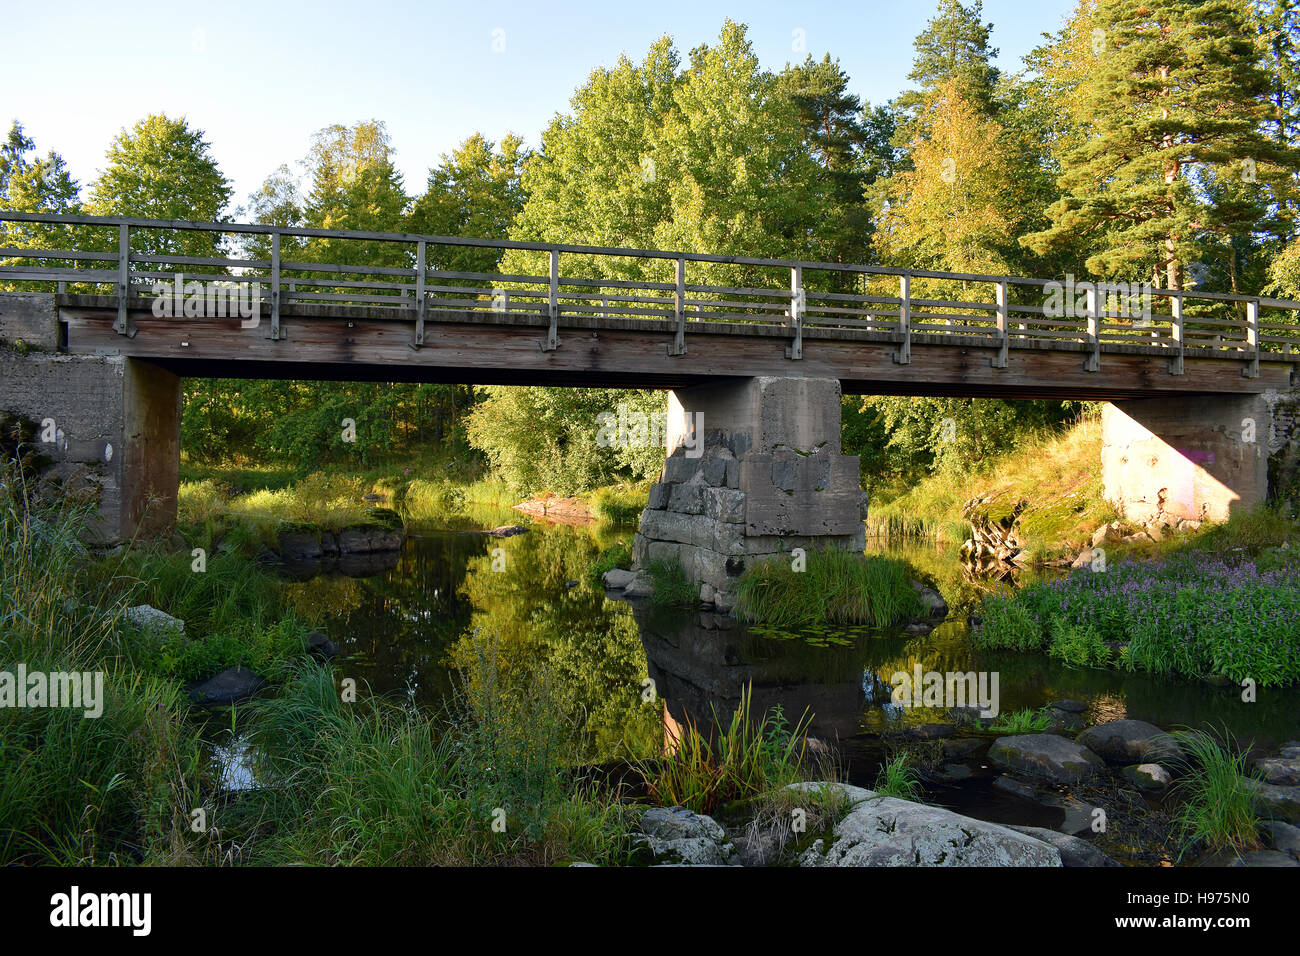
x,y
1197,458
110,424
754,471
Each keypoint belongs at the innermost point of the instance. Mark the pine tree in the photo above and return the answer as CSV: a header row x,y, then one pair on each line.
x,y
1172,97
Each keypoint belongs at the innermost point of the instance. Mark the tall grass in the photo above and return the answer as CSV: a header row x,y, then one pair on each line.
x,y
1217,807
381,783
748,757
77,789
897,777
837,587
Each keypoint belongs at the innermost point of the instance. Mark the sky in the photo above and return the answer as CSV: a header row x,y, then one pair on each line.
x,y
260,77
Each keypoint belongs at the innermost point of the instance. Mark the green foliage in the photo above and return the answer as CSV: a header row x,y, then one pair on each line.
x,y
1025,721
1079,645
738,758
898,778
555,439
162,169
1008,623
619,556
621,504
1216,806
670,585
837,587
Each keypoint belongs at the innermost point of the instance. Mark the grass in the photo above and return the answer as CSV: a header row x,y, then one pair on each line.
x,y
618,556
1025,721
748,757
898,778
670,585
378,783
1058,472
1217,808
836,587
620,504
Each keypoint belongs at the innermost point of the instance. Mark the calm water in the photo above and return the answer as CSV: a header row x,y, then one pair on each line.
x,y
407,628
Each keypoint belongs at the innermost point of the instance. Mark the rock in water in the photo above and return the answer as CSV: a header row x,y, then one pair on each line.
x,y
617,578
1130,741
887,831
321,647
1047,755
229,687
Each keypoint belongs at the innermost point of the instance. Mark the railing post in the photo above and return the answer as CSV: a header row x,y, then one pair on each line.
x,y
678,346
1176,310
798,304
1252,339
553,333
1093,362
1004,345
275,286
903,355
122,326
420,304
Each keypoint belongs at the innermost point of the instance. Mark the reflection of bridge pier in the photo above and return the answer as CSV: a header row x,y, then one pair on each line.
x,y
701,662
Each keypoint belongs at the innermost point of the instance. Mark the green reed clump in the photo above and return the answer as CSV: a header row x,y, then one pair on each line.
x,y
619,556
670,585
748,757
621,504
898,778
1026,721
1217,807
76,789
835,587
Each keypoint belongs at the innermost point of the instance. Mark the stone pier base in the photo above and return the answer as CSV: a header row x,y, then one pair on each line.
x,y
114,422
754,471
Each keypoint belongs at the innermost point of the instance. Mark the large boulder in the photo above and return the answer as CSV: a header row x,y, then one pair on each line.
x,y
1283,771
1147,776
675,835
932,602
1046,755
1130,742
372,536
887,831
1075,851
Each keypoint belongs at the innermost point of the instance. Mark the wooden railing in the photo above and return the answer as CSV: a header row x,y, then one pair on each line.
x,y
669,290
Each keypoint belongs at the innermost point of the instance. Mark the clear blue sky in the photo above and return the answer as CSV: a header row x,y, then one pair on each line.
x,y
260,78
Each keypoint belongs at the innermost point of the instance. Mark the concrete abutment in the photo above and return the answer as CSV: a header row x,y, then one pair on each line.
x,y
112,423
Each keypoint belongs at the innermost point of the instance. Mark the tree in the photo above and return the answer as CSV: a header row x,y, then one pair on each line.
x,y
1172,94
162,169
959,206
474,192
29,183
355,185
953,48
837,134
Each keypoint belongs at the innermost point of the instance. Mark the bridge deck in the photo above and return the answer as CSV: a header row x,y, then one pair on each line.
x,y
374,344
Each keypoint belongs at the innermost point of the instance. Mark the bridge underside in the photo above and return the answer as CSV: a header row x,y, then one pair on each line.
x,y
366,344
1200,444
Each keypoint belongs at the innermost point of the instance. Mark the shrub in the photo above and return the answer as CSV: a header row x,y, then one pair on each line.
x,y
1009,624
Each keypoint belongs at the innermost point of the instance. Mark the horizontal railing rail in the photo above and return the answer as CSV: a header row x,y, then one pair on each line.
x,y
422,277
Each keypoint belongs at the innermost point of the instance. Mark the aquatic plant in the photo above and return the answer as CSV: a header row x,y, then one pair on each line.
x,y
1217,807
898,778
835,587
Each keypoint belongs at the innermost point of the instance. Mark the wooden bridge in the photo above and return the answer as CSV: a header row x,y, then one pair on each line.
x,y
589,315
114,316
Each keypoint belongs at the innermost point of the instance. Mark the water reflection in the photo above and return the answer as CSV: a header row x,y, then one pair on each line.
x,y
409,629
